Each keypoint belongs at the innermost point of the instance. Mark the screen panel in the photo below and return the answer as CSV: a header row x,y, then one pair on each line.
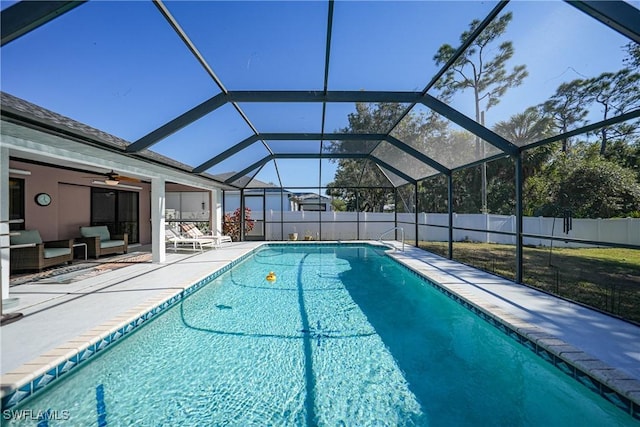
x,y
93,64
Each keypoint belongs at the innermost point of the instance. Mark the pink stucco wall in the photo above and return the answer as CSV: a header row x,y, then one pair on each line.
x,y
70,205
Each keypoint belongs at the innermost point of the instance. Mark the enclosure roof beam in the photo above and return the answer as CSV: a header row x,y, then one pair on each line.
x,y
285,137
464,46
226,153
320,156
347,156
25,16
270,157
401,174
248,169
479,162
588,128
470,125
316,137
417,154
618,15
221,99
327,50
320,136
203,62
319,96
282,137
178,123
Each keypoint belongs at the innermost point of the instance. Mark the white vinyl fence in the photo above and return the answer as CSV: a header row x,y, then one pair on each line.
x,y
369,226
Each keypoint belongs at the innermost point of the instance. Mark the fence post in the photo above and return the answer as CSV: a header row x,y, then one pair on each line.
x,y
519,221
450,212
416,214
486,227
540,230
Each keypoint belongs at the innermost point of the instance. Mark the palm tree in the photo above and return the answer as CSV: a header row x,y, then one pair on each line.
x,y
525,128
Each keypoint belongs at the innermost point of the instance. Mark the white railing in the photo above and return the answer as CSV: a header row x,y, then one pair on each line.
x,y
389,231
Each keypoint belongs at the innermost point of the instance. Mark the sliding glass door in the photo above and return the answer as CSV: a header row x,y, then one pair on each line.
x,y
116,209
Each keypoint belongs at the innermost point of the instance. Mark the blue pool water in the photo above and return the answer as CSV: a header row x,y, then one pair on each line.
x,y
344,337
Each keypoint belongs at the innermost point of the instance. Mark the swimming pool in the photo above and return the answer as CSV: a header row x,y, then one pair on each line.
x,y
345,335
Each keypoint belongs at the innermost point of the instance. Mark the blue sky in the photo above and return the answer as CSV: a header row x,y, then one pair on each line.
x,y
119,67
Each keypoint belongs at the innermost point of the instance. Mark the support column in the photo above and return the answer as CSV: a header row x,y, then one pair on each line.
x,y
450,211
395,213
415,208
4,222
215,211
357,216
242,216
158,246
519,224
282,212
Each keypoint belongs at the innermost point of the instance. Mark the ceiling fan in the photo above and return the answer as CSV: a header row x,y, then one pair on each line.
x,y
112,178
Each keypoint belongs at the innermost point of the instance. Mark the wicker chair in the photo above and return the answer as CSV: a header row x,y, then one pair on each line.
x,y
34,254
100,242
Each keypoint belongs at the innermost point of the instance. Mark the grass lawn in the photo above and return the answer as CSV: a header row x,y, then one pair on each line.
x,y
604,278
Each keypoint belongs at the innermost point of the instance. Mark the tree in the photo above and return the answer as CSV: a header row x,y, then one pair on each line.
x,y
597,188
566,108
525,128
616,93
626,155
433,195
585,183
338,205
486,76
231,223
351,173
361,185
633,55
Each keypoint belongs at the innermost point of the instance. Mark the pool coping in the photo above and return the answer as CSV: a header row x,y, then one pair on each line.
x,y
615,385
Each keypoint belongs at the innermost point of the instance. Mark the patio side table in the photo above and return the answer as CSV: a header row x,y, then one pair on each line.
x,y
76,245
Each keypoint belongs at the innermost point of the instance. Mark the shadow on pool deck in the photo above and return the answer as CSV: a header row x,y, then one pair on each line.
x,y
445,352
64,292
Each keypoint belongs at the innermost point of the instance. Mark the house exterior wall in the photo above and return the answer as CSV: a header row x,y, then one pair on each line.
x,y
70,206
70,220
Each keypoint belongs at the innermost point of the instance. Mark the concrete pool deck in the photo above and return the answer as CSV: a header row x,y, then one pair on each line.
x,y
57,314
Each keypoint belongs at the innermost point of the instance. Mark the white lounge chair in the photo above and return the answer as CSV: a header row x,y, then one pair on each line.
x,y
194,232
176,239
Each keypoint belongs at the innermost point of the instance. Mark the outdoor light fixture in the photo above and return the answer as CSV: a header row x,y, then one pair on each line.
x,y
106,182
111,181
19,171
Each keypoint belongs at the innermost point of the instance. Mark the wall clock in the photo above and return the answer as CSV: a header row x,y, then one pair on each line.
x,y
43,199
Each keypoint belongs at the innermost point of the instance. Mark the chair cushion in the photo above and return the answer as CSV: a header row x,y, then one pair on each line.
x,y
100,231
111,243
26,237
55,252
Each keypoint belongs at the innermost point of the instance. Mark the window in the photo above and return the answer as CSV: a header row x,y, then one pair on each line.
x,y
16,203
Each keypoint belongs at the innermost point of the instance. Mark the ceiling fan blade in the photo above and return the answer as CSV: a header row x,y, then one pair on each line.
x,y
127,178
